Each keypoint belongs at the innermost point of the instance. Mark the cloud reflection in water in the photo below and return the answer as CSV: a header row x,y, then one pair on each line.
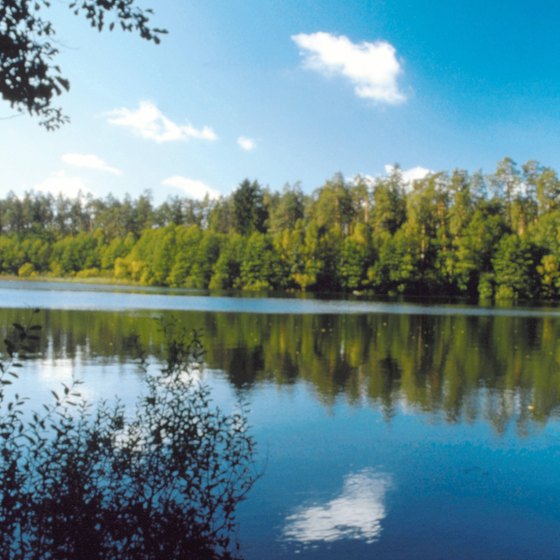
x,y
355,514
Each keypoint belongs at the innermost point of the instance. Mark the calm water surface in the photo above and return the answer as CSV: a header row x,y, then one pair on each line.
x,y
385,431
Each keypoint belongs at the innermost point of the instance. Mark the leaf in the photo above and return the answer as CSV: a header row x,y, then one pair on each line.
x,y
63,82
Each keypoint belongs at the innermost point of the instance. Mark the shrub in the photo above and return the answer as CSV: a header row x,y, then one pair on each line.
x,y
97,481
26,270
88,273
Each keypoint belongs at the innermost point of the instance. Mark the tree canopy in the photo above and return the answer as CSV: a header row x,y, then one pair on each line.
x,y
448,234
30,79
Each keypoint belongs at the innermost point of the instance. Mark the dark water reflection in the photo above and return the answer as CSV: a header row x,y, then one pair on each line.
x,y
389,432
501,369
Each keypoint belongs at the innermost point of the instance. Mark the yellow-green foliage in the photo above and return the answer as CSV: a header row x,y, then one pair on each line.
x,y
26,270
495,236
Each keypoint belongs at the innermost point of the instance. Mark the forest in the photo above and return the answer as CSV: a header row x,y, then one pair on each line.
x,y
481,236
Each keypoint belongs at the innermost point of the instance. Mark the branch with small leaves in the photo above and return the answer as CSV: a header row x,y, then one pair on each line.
x,y
29,77
82,480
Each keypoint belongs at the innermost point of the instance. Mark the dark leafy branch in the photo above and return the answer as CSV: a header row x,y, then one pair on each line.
x,y
30,79
96,481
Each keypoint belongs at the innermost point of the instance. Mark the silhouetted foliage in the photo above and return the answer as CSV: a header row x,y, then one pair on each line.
x,y
79,480
29,78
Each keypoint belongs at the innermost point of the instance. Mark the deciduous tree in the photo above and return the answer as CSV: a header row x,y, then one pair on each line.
x,y
30,79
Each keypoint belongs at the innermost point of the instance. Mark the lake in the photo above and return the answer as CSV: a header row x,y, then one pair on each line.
x,y
385,430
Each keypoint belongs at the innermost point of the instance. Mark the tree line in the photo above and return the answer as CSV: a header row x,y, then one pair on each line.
x,y
451,233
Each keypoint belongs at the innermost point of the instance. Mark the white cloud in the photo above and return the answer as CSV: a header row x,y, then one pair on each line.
x,y
89,161
369,180
149,122
247,144
373,68
60,183
410,175
355,514
191,187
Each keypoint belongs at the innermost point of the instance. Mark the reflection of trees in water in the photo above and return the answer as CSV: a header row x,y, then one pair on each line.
x,y
497,368
248,362
161,479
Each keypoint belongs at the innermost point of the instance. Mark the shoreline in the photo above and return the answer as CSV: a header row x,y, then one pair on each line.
x,y
103,280
365,297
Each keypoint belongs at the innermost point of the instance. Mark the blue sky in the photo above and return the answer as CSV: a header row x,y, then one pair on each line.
x,y
285,91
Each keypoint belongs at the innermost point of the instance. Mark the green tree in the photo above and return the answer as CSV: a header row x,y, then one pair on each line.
x,y
549,273
206,255
37,252
462,202
397,268
158,253
249,212
506,183
187,241
332,207
117,248
476,245
170,212
389,204
361,200
227,269
72,254
12,215
11,255
515,268
427,206
221,216
287,209
261,268
544,186
355,258
300,250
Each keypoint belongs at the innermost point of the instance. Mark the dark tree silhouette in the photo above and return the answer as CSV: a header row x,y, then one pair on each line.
x,y
29,76
103,482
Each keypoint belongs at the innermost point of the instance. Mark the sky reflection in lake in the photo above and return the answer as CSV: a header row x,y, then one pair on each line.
x,y
356,513
410,433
